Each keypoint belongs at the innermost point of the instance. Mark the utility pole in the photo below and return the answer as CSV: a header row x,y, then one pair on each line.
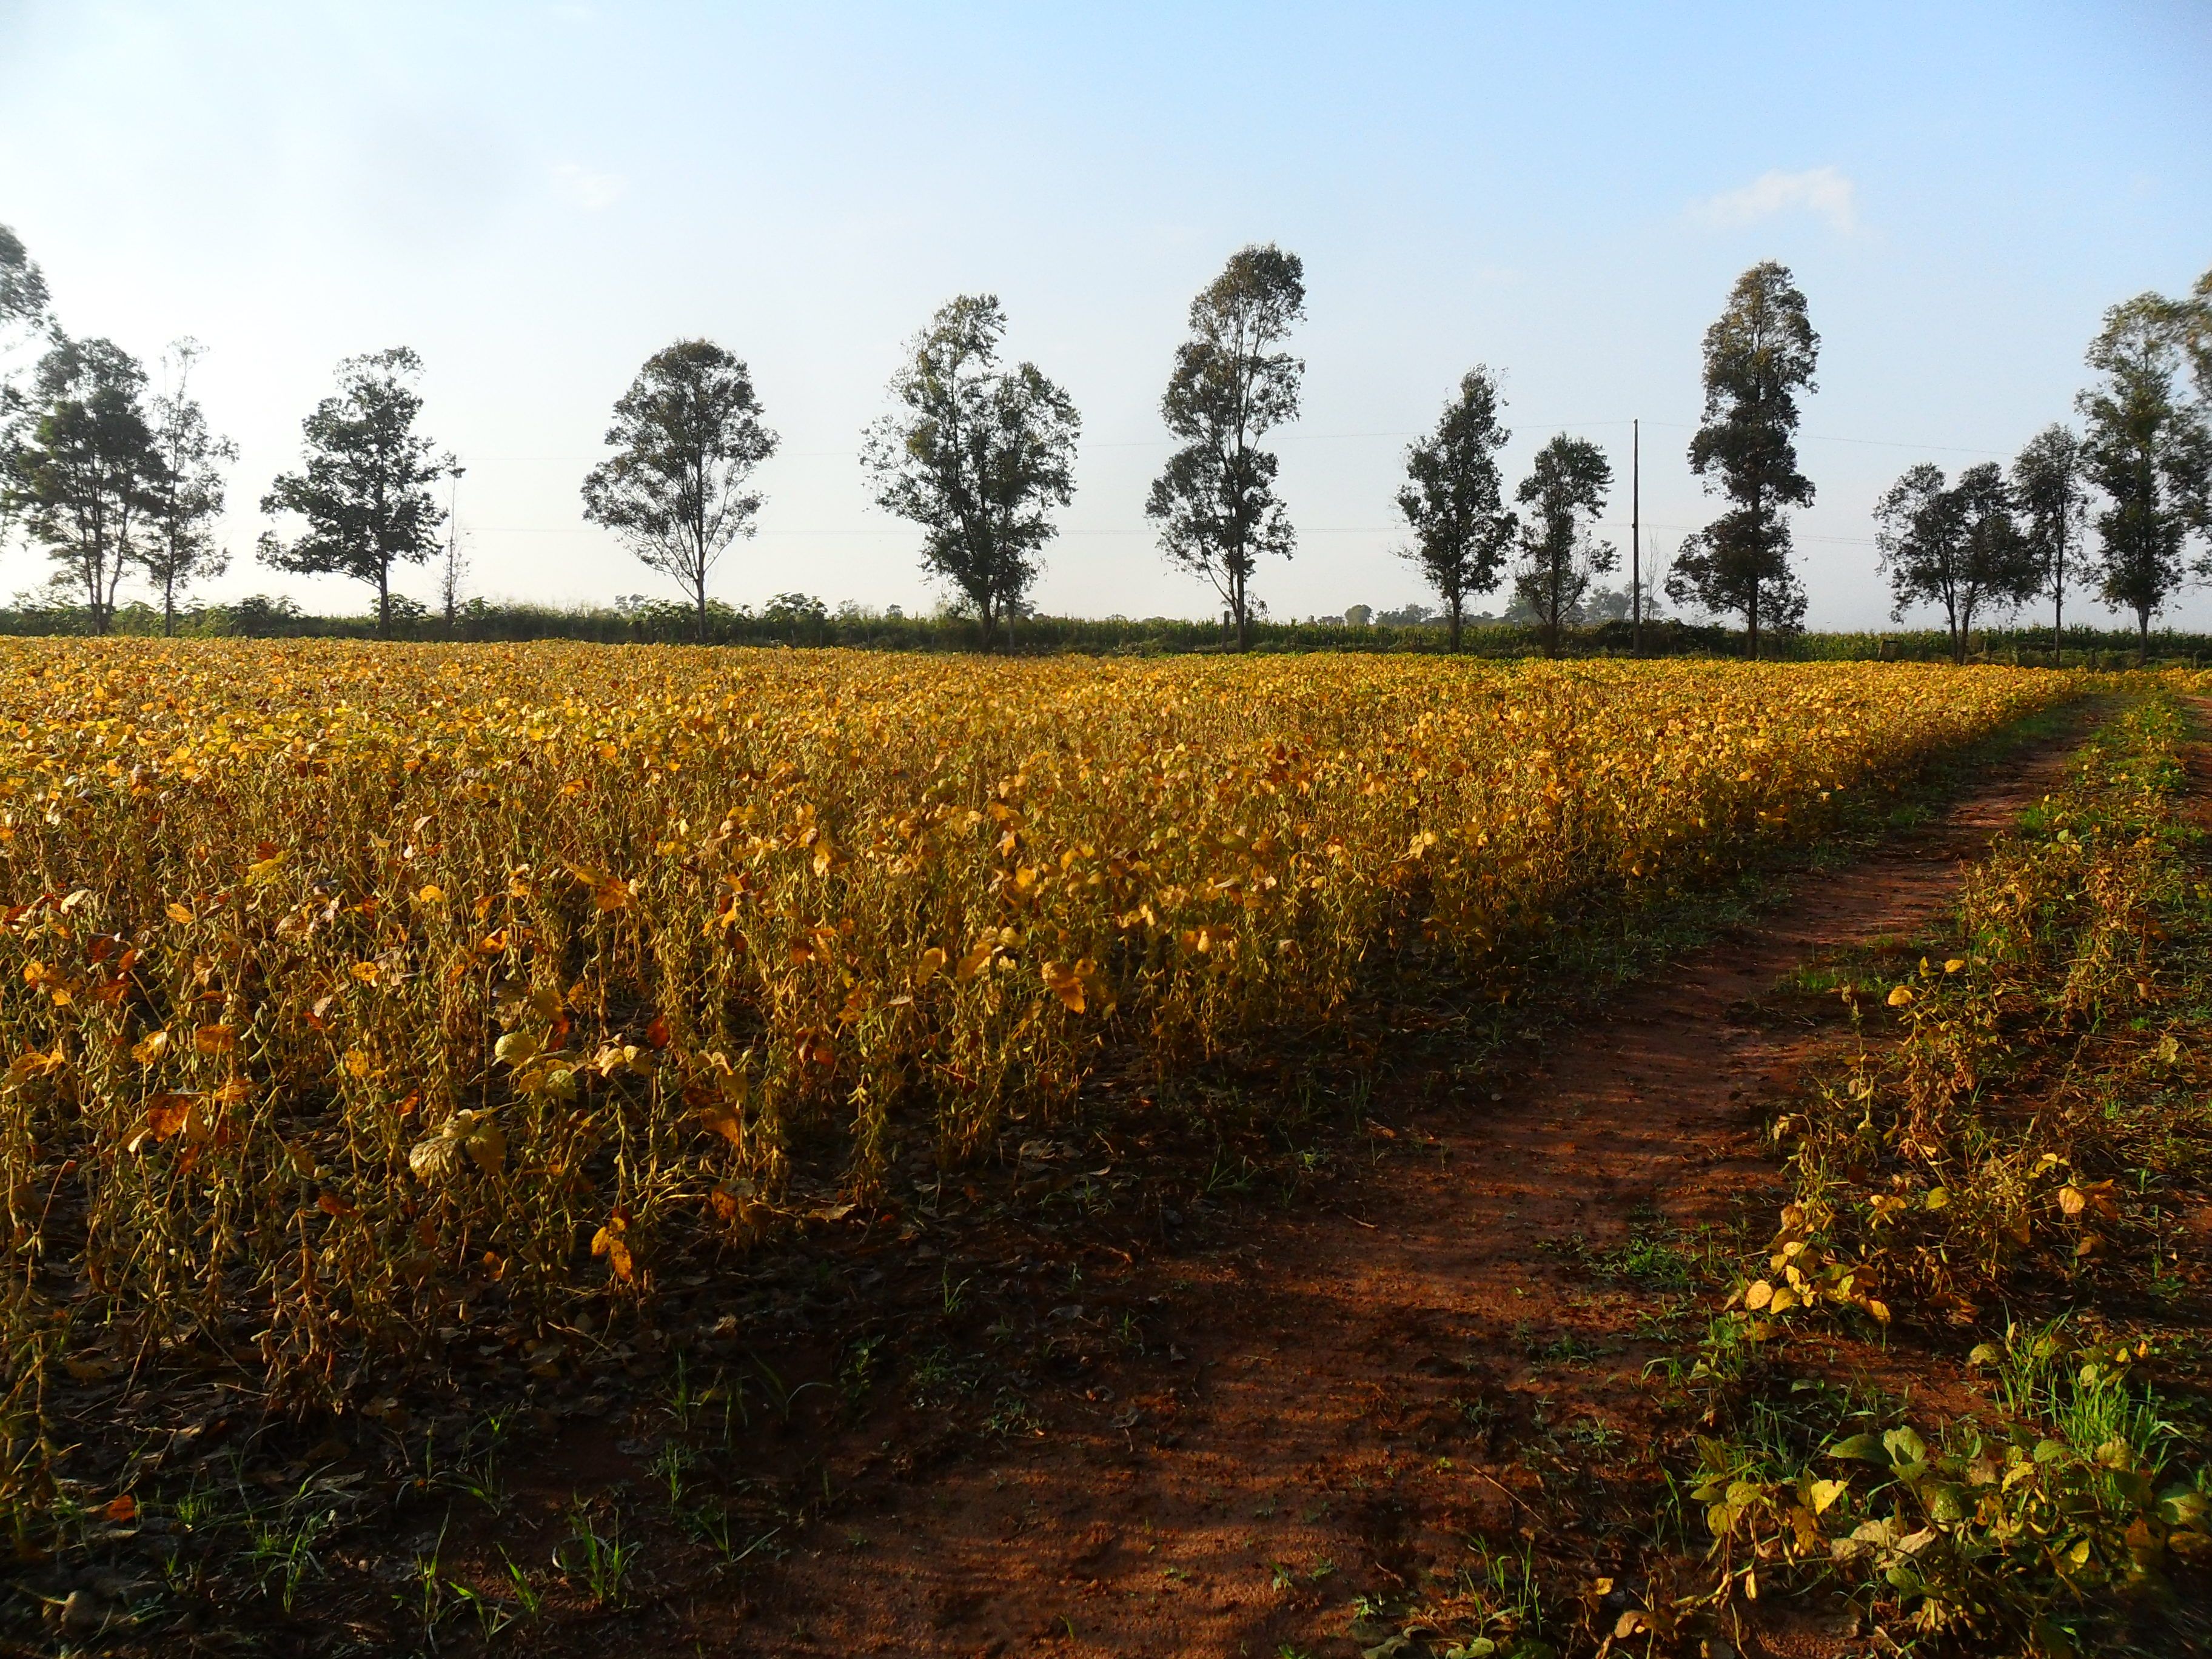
x,y
1636,528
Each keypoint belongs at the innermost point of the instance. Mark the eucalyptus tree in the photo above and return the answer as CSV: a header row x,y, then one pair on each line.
x,y
187,495
2149,451
81,469
1453,500
686,437
1758,356
2050,485
1565,492
366,492
1215,503
1956,545
977,454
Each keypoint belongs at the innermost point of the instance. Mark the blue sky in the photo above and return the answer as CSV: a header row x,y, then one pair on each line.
x,y
536,197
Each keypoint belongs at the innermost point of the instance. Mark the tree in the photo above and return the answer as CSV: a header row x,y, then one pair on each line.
x,y
1958,546
454,569
187,494
977,455
367,492
1757,356
82,469
687,436
2050,482
23,300
1566,487
1216,504
2149,452
1453,501
2194,316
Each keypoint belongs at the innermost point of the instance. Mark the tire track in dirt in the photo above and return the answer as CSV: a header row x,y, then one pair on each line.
x,y
1355,1389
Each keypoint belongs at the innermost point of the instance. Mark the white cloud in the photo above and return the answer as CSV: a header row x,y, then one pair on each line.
x,y
1823,191
590,191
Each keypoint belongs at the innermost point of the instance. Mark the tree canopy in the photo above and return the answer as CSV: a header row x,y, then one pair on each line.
x,y
1453,501
366,491
977,455
1759,356
687,436
1215,503
1565,490
2050,486
1955,546
81,468
180,547
2149,451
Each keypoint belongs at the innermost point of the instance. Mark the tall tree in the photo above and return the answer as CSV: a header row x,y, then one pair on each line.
x,y
83,468
1956,545
1758,357
23,298
179,548
2149,452
977,455
1563,492
23,318
454,569
1453,500
368,490
686,437
1216,504
2050,482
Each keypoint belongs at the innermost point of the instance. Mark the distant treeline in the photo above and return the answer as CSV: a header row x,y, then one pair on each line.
x,y
797,621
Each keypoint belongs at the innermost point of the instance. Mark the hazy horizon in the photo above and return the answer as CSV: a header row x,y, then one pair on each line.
x,y
536,197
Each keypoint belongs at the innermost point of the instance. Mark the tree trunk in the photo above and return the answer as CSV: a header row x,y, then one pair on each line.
x,y
384,602
700,597
1457,605
1750,615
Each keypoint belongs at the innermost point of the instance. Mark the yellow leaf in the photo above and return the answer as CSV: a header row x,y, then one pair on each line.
x,y
928,965
2072,1201
178,914
1901,997
431,895
150,1047
608,1242
216,1039
168,1115
1065,983
1758,1296
1954,964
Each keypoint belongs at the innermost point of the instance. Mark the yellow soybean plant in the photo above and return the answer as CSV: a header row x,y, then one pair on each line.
x,y
345,983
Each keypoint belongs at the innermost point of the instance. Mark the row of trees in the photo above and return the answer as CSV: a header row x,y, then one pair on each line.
x,y
1988,541
112,480
980,455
